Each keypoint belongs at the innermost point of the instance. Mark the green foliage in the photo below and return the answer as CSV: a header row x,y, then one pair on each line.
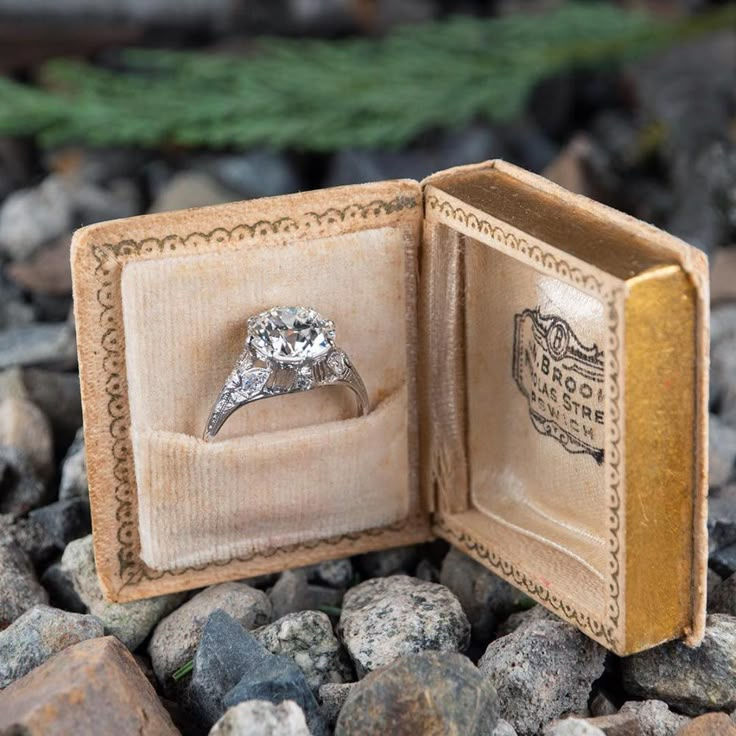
x,y
323,95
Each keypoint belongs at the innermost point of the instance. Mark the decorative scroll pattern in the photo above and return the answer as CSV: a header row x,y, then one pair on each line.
x,y
109,256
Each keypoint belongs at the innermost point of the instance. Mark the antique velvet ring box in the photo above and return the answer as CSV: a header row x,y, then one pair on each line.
x,y
536,366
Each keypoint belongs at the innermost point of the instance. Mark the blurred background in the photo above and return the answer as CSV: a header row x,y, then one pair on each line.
x,y
110,109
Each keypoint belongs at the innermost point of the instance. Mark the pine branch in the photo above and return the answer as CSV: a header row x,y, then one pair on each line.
x,y
325,95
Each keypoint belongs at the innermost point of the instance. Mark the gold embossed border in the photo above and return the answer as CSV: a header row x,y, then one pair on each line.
x,y
103,368
608,625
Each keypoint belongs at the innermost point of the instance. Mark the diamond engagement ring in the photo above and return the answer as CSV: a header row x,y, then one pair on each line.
x,y
288,350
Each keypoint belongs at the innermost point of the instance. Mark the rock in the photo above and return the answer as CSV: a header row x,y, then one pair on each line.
x,y
427,693
91,687
522,618
573,727
61,589
49,270
723,597
485,598
542,670
722,517
95,203
95,165
20,487
653,717
712,582
307,638
332,697
692,680
602,704
721,451
14,310
723,275
387,562
333,573
64,520
262,718
52,345
176,637
723,561
257,173
30,536
230,667
18,583
24,427
191,189
292,592
37,635
130,622
427,571
74,470
722,367
29,218
711,724
574,167
57,395
384,618
504,728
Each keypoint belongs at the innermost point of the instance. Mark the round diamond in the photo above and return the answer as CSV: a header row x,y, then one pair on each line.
x,y
290,334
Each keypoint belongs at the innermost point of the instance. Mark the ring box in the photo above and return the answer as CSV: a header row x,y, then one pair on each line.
x,y
537,370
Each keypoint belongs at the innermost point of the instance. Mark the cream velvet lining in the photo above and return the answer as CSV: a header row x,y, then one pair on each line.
x,y
527,482
283,470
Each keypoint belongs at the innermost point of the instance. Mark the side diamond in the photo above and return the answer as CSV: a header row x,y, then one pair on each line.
x,y
337,363
251,382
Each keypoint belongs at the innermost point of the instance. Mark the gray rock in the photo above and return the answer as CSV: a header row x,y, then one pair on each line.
x,y
52,345
542,670
20,487
262,718
332,697
176,637
427,693
654,718
18,583
691,679
292,592
712,582
24,427
722,371
64,520
30,536
485,598
191,189
532,615
723,597
14,311
504,728
231,667
37,635
721,451
426,571
572,727
308,639
130,622
723,561
254,174
58,396
602,704
74,470
722,517
31,217
384,618
333,573
61,589
387,562
94,203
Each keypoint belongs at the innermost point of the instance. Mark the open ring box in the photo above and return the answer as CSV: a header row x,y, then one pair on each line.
x,y
537,371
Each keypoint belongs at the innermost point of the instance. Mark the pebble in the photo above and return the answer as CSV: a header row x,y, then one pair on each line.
x,y
722,599
64,520
95,203
292,592
257,173
654,718
710,724
24,426
52,345
30,218
57,395
262,718
38,634
94,687
542,670
385,562
384,618
427,693
30,536
14,310
691,679
723,561
333,573
332,697
61,589
176,637
20,487
504,728
130,622
191,189
48,271
485,598
231,667
307,638
573,727
18,583
74,470
722,452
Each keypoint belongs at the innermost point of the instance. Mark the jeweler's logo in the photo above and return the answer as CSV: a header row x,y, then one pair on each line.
x,y
562,380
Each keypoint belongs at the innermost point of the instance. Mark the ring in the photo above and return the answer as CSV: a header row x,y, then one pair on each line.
x,y
288,350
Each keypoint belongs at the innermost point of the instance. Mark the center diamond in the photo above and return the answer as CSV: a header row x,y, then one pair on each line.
x,y
290,334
